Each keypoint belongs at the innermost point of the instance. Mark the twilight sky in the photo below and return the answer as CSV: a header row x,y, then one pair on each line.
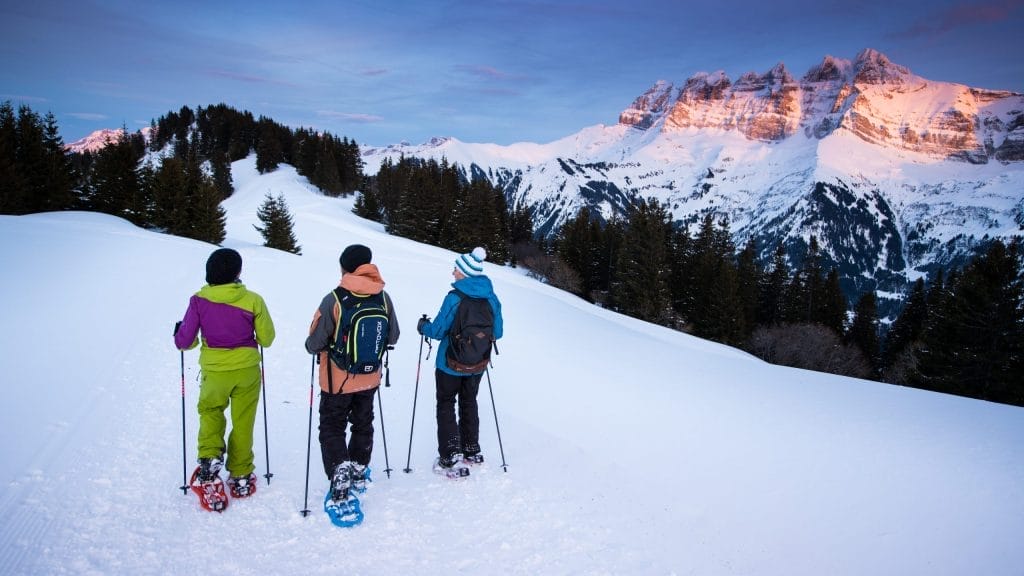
x,y
499,71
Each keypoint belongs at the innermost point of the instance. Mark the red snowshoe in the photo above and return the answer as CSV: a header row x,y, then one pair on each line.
x,y
211,494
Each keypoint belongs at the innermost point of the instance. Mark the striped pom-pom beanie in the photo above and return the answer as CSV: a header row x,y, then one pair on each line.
x,y
472,264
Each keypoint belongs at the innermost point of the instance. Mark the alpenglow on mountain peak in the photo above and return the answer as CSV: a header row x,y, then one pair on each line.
x,y
877,100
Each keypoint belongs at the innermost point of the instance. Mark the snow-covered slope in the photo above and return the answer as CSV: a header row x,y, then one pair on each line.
x,y
632,449
894,174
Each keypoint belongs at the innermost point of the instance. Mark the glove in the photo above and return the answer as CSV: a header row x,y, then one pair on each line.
x,y
177,325
422,322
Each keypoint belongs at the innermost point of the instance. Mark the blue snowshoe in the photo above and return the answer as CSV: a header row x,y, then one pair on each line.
x,y
345,513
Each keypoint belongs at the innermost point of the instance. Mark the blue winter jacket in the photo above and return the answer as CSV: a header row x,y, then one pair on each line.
x,y
437,329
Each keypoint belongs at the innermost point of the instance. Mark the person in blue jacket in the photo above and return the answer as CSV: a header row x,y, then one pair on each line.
x,y
458,439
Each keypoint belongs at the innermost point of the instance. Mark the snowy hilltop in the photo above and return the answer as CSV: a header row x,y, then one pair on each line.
x,y
894,174
631,448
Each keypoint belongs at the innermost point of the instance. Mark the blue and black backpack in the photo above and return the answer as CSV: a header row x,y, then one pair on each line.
x,y
361,333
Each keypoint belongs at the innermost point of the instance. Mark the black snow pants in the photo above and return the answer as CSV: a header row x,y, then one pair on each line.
x,y
460,436
336,412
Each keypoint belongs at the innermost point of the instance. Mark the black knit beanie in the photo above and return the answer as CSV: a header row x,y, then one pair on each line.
x,y
223,266
355,256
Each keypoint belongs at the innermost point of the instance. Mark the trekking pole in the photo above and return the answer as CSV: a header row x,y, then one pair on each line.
x,y
500,447
384,435
266,436
309,436
184,458
419,361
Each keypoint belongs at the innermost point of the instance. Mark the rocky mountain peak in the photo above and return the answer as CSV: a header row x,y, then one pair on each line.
x,y
831,69
873,67
879,101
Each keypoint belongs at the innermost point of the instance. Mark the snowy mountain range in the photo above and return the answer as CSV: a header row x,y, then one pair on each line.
x,y
892,173
97,140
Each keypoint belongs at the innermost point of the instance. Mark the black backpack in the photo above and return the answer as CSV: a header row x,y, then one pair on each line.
x,y
471,335
361,333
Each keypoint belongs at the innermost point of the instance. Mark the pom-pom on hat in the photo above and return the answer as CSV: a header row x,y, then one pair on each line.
x,y
223,266
355,256
472,264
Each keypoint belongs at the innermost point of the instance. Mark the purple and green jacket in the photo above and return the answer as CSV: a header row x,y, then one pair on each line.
x,y
232,320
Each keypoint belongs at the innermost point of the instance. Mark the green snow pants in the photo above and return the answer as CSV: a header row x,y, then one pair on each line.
x,y
240,389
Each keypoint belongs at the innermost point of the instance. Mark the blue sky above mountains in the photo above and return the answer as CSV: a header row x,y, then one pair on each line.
x,y
503,71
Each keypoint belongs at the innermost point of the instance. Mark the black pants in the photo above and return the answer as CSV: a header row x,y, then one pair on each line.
x,y
462,436
336,412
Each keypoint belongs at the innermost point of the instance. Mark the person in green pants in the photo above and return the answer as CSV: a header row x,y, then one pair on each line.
x,y
233,321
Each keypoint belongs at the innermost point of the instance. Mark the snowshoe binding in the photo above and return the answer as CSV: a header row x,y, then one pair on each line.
x,y
345,512
359,475
452,467
243,486
210,490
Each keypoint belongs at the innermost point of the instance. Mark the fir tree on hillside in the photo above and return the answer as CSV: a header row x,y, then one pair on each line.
x,y
974,339
898,362
716,309
832,305
773,290
209,219
277,230
641,289
35,173
864,328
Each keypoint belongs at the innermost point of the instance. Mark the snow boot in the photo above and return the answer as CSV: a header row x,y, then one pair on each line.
x,y
209,469
341,482
451,466
360,475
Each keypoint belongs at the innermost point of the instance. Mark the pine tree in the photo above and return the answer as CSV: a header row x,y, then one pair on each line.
x,y
642,287
909,325
209,219
716,305
417,216
59,175
520,228
576,243
974,338
367,204
270,149
13,198
773,291
749,278
32,161
221,168
681,275
864,328
831,309
170,205
277,230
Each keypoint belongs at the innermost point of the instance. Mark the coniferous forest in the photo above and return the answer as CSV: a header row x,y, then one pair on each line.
x,y
961,331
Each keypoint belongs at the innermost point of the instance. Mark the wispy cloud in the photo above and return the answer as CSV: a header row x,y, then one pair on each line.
x,y
350,117
23,98
248,78
374,72
487,72
962,15
91,116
